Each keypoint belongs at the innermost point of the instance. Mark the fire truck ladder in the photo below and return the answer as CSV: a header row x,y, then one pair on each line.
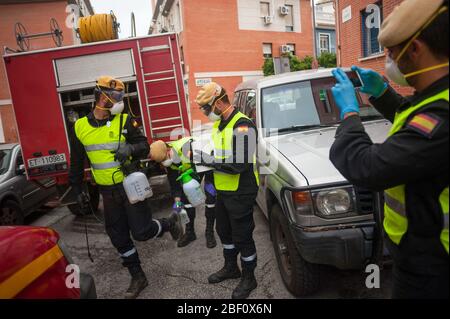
x,y
162,94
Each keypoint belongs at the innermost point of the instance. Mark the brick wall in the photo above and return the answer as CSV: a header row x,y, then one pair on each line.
x,y
350,35
36,19
212,42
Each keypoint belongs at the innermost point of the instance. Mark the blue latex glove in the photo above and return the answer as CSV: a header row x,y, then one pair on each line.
x,y
209,187
373,83
344,93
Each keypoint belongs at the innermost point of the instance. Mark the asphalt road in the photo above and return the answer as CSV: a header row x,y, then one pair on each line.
x,y
182,272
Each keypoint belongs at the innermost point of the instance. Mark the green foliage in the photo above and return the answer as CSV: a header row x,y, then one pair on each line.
x,y
268,68
296,64
327,60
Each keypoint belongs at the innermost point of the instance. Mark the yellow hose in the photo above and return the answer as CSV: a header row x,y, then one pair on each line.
x,y
98,27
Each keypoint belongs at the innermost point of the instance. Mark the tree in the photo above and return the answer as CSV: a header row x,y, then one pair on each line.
x,y
295,63
327,60
268,68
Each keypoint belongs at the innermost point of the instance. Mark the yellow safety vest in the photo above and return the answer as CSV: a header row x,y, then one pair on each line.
x,y
395,217
98,143
177,146
223,150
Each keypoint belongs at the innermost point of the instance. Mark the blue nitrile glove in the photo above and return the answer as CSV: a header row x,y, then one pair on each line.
x,y
344,93
373,83
209,187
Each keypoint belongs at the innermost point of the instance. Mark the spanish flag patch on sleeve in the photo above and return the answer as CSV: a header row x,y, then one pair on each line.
x,y
242,129
425,124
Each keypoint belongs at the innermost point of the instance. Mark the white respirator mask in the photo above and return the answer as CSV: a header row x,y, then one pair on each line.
x,y
167,163
117,108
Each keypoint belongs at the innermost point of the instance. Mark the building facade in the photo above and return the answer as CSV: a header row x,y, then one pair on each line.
x,y
325,27
227,40
35,16
358,25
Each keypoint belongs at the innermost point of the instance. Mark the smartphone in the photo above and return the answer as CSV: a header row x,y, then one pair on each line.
x,y
355,78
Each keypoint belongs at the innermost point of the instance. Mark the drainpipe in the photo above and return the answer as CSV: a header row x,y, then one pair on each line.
x,y
314,29
338,34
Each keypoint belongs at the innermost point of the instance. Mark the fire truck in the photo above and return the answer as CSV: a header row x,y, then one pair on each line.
x,y
52,88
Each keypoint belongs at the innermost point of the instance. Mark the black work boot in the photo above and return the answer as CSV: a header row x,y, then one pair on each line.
x,y
247,283
209,233
173,225
137,284
230,270
188,236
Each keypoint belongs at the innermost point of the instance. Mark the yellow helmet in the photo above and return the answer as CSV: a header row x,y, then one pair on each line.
x,y
110,83
208,93
158,151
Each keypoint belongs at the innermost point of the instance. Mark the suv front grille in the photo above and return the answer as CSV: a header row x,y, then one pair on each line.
x,y
365,200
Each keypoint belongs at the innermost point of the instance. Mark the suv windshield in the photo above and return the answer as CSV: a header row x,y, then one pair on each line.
x,y
4,161
304,105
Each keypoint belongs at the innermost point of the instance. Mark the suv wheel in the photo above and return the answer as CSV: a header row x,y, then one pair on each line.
x,y
11,213
300,277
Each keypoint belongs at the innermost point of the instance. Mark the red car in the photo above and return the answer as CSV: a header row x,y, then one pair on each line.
x,y
35,265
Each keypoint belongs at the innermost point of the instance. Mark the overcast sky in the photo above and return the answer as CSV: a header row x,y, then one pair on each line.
x,y
122,10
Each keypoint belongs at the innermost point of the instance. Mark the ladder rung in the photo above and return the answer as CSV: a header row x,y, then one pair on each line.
x,y
167,119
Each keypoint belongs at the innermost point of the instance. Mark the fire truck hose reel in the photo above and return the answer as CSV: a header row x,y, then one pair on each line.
x,y
98,27
23,38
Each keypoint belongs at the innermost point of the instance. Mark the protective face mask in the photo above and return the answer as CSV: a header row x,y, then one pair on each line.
x,y
117,108
394,73
213,117
167,163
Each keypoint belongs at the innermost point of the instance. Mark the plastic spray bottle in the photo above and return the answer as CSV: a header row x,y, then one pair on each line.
x,y
192,189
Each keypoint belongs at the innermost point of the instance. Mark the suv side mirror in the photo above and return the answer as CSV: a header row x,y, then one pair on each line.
x,y
21,169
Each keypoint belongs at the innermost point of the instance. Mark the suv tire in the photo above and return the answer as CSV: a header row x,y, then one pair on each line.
x,y
300,277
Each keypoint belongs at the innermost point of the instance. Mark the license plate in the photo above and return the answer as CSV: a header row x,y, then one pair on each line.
x,y
46,160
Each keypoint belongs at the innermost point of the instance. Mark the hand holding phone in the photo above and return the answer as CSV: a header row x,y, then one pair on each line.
x,y
372,83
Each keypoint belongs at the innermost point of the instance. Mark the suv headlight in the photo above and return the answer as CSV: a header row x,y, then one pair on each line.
x,y
334,202
326,203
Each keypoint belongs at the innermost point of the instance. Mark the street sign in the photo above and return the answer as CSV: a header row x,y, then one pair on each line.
x,y
201,82
346,14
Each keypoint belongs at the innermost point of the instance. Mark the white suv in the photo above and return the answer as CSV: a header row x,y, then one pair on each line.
x,y
316,216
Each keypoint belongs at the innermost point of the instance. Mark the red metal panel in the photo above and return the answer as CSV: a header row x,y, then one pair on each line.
x,y
36,102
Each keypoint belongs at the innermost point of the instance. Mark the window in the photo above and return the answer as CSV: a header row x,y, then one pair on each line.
x,y
265,8
291,47
288,105
267,50
370,43
290,19
324,42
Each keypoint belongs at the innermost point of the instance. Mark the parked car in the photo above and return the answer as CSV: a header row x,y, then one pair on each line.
x,y
18,196
35,264
316,217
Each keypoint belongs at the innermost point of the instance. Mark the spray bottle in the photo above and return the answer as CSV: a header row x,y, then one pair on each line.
x,y
192,189
179,209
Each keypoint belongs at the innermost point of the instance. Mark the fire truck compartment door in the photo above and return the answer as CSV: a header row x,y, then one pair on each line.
x,y
80,70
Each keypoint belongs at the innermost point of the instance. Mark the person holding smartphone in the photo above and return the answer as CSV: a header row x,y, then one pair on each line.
x,y
412,165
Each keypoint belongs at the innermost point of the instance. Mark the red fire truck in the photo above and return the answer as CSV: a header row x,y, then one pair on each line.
x,y
52,88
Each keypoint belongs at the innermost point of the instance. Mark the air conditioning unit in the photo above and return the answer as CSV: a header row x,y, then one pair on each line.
x,y
267,20
284,10
285,49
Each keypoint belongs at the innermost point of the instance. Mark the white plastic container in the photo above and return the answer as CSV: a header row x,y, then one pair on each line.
x,y
137,187
192,189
